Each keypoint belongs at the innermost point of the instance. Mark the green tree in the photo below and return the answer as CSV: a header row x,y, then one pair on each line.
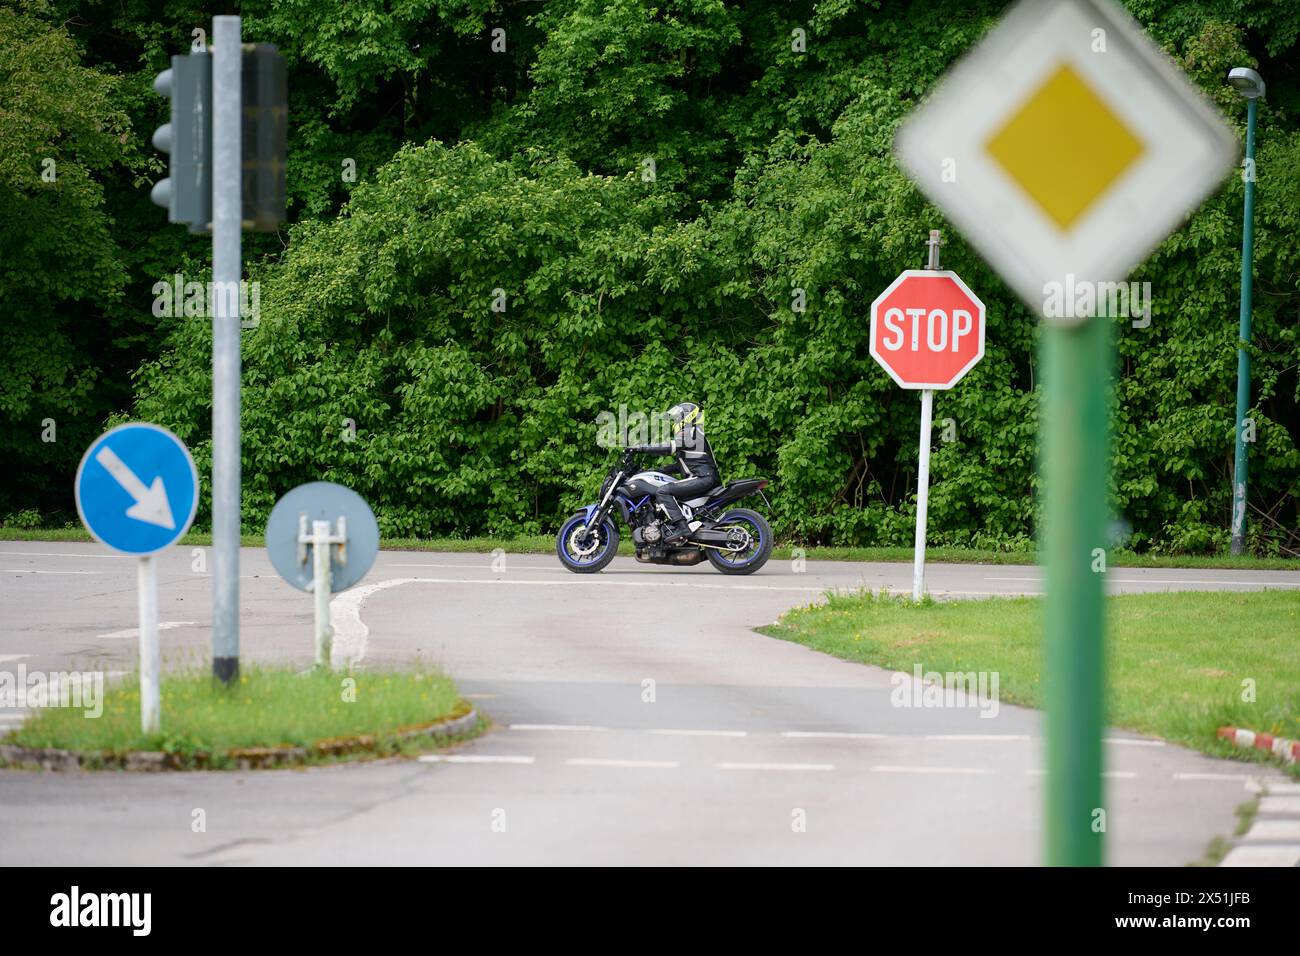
x,y
60,132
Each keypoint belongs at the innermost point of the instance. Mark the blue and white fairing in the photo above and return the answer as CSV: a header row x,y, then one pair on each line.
x,y
645,483
633,492
657,477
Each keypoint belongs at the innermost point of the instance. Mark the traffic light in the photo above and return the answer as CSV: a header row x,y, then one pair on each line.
x,y
263,136
187,137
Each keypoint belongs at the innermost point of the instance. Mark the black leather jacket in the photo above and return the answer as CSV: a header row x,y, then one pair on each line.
x,y
692,453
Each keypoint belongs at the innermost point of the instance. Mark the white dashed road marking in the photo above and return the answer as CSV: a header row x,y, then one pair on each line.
x,y
162,626
1116,774
969,771
776,766
64,554
582,728
475,758
34,571
1133,742
1245,584
1262,856
1271,804
1274,831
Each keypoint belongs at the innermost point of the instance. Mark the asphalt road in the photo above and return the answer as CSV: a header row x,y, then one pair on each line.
x,y
638,719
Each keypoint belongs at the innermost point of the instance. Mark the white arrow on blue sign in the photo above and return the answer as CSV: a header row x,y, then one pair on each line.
x,y
137,488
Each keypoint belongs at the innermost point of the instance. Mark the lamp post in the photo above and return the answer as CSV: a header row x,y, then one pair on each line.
x,y
1250,85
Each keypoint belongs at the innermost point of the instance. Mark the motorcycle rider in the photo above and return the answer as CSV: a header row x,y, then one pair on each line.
x,y
694,461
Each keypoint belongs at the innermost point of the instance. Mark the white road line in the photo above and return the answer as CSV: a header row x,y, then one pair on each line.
x,y
475,758
968,771
162,626
1276,789
33,571
1269,804
65,554
976,736
1260,584
1132,742
831,735
606,582
560,727
1262,856
6,658
480,696
1212,776
1273,831
350,632
776,766
614,762
475,567
586,580
1114,774
700,733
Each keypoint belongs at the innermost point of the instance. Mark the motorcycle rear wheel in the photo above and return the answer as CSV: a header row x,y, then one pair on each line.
x,y
758,551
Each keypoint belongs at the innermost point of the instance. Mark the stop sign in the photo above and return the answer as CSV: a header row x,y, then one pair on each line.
x,y
927,329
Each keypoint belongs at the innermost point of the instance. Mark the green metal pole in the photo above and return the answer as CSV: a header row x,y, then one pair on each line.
x,y
1243,354
1075,463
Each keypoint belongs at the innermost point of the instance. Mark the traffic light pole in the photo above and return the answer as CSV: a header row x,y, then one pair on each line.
x,y
227,209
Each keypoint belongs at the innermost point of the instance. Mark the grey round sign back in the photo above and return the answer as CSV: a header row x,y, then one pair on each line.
x,y
322,501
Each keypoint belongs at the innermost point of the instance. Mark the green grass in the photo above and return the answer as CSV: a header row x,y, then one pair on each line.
x,y
1220,846
545,544
1175,662
270,707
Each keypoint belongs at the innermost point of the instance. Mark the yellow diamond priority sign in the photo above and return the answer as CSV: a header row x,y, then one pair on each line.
x,y
1065,146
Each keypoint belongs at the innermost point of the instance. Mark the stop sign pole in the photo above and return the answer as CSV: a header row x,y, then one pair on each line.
x,y
923,464
927,332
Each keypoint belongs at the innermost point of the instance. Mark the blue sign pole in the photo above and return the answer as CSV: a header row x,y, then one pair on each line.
x,y
137,491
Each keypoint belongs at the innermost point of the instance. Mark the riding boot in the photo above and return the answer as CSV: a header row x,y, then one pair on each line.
x,y
677,526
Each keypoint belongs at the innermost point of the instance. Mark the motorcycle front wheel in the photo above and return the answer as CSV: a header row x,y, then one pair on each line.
x,y
756,552
583,551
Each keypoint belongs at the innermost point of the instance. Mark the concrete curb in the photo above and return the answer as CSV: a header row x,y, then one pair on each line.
x,y
1288,750
465,719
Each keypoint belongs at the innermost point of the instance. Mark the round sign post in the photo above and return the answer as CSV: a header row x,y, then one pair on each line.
x,y
336,525
927,332
137,491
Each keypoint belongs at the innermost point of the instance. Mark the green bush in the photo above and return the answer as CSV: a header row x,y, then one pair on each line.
x,y
26,519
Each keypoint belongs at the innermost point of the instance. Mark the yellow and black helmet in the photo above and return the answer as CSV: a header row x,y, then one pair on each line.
x,y
684,414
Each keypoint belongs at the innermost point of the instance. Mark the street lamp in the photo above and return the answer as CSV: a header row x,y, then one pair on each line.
x,y
1250,85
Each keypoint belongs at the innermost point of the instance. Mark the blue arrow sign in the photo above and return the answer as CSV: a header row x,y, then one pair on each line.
x,y
137,488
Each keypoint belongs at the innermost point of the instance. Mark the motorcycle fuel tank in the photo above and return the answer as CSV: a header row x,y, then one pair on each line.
x,y
647,482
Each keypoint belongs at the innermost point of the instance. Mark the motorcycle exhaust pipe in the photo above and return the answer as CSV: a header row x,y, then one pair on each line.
x,y
685,558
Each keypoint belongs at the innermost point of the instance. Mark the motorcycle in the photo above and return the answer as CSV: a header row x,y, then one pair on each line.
x,y
735,541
